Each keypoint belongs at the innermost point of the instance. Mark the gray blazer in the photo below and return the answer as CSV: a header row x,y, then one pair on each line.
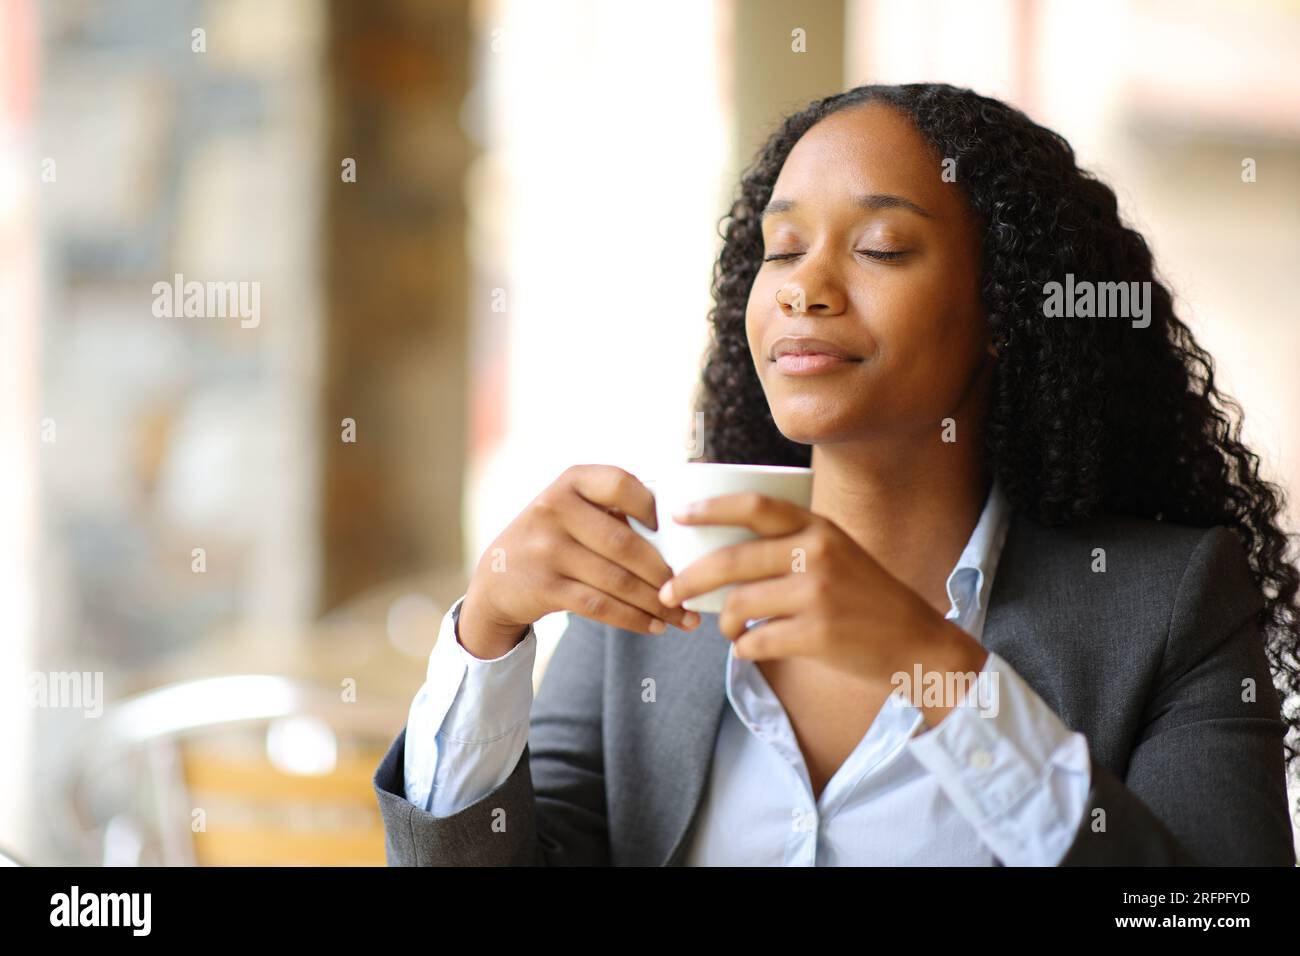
x,y
1147,659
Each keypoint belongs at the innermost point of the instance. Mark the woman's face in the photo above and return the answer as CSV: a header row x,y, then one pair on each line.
x,y
879,256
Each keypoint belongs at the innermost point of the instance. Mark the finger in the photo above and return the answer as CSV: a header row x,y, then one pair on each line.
x,y
762,514
581,598
608,486
613,539
585,565
748,561
772,640
773,598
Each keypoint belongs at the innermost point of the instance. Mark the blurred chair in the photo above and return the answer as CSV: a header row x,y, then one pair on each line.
x,y
240,770
8,859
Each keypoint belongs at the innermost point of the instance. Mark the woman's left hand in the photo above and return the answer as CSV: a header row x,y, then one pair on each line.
x,y
830,599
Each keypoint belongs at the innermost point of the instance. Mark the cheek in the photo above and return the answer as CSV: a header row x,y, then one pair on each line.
x,y
755,316
930,335
935,308
909,321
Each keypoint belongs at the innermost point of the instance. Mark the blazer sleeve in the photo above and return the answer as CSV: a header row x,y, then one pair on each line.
x,y
1206,780
550,811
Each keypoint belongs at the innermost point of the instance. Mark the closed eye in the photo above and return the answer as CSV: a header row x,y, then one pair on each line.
x,y
883,255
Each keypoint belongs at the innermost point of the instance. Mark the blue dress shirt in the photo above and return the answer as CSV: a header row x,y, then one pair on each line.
x,y
1000,776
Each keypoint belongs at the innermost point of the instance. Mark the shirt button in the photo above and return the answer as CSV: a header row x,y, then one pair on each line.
x,y
981,759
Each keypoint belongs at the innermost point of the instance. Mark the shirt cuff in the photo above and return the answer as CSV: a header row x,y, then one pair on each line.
x,y
448,704
501,680
1011,767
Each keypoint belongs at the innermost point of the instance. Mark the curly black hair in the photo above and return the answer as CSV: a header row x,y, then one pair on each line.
x,y
1084,416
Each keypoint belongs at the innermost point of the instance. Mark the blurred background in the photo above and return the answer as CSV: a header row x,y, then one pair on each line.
x,y
227,538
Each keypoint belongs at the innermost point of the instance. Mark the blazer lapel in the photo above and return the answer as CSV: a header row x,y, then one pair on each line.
x,y
1028,614
1004,627
670,799
1005,614
1013,629
1024,611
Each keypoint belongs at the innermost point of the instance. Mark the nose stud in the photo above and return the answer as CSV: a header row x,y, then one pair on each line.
x,y
797,304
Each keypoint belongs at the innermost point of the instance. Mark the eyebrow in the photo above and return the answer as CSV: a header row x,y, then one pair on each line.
x,y
872,201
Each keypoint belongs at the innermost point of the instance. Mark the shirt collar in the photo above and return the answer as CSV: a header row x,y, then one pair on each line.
x,y
968,587
970,580
972,577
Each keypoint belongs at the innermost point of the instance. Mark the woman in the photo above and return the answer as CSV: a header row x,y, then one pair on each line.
x,y
1056,502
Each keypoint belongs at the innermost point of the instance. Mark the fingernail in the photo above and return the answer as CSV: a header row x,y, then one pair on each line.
x,y
690,619
657,626
666,594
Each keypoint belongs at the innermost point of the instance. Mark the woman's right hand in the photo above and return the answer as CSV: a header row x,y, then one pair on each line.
x,y
571,549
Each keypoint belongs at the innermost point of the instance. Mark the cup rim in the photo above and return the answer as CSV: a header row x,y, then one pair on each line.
x,y
741,466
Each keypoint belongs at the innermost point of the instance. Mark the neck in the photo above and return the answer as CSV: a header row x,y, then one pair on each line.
x,y
911,502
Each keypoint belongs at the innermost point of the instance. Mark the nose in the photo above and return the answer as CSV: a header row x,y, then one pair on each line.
x,y
811,289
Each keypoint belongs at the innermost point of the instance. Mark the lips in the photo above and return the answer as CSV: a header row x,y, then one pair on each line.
x,y
806,345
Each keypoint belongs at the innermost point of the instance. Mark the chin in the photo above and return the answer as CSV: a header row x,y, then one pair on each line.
x,y
805,430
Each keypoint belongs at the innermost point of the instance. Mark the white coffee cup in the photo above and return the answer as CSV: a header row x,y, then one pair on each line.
x,y
678,485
